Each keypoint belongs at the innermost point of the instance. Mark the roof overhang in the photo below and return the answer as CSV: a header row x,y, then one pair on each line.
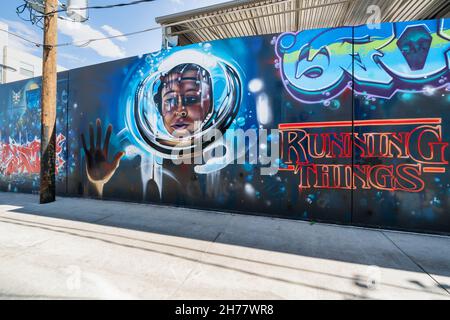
x,y
256,17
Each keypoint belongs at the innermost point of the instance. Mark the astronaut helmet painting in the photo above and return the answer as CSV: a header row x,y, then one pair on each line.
x,y
168,111
186,97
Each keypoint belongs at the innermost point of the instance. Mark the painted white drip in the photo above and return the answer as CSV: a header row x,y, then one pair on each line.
x,y
212,183
151,170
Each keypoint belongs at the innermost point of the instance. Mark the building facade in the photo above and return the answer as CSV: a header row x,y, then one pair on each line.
x,y
16,64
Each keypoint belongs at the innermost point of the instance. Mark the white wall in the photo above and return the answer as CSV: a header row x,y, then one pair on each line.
x,y
24,65
3,44
17,64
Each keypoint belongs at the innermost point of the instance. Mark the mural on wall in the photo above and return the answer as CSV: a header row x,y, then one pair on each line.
x,y
395,57
19,159
20,135
341,124
422,145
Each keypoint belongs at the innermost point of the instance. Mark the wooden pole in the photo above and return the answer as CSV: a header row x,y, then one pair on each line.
x,y
48,104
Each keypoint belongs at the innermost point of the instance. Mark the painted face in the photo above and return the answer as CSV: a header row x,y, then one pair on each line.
x,y
185,101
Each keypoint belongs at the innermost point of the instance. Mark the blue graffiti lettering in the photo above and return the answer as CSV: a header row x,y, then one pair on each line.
x,y
318,65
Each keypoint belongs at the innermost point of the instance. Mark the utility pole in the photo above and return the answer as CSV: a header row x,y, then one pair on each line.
x,y
48,104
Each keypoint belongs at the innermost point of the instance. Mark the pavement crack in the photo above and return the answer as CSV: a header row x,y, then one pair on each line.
x,y
198,263
102,218
416,263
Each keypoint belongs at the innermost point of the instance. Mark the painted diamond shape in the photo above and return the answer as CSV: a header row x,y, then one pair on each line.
x,y
16,96
414,44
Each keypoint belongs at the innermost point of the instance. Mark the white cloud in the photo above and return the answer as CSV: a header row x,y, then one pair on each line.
x,y
79,32
114,33
71,57
27,31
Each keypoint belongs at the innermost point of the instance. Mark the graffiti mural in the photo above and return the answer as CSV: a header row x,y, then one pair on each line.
x,y
19,159
20,135
422,145
317,65
344,124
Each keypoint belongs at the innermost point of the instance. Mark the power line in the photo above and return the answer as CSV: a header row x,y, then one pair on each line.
x,y
23,38
88,41
83,43
32,17
35,19
102,7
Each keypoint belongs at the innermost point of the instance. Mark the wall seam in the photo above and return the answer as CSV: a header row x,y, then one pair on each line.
x,y
353,126
67,133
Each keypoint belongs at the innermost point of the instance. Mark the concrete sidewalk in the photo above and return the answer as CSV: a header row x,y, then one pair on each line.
x,y
79,248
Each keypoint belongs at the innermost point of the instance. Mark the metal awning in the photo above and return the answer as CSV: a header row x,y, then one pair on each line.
x,y
256,17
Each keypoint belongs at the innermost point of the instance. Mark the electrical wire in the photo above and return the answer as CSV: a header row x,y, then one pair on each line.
x,y
37,19
23,38
109,6
33,18
83,43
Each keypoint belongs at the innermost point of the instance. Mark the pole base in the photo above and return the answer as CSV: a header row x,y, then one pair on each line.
x,y
46,198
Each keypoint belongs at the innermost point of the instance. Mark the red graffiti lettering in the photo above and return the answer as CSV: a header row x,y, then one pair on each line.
x,y
18,159
423,144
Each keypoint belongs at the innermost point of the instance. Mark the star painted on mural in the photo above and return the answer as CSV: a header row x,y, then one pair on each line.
x,y
16,96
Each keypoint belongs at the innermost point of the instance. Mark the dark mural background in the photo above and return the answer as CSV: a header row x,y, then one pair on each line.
x,y
361,113
20,127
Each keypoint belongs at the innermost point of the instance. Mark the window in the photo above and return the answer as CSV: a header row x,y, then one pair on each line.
x,y
26,73
26,69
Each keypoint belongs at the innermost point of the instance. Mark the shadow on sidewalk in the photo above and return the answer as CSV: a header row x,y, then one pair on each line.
x,y
385,249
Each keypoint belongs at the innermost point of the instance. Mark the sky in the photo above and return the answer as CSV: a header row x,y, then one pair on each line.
x,y
101,23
